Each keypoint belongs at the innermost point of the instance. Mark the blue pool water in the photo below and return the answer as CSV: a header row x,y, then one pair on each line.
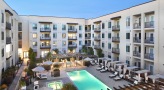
x,y
85,81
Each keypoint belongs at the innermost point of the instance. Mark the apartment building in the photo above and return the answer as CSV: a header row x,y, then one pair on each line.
x,y
133,35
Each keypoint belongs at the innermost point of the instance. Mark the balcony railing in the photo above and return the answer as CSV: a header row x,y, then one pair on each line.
x,y
116,50
115,39
97,38
45,29
87,37
136,54
149,24
45,38
87,30
72,38
45,46
8,40
97,29
136,26
149,56
116,28
97,47
136,40
19,28
72,30
149,40
88,44
8,25
72,46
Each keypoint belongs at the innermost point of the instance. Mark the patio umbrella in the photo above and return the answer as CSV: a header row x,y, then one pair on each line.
x,y
47,63
38,69
88,59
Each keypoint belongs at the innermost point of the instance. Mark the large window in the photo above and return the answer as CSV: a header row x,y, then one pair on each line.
x,y
2,18
109,45
109,35
63,35
55,27
54,35
109,24
80,35
34,26
127,35
103,25
103,45
103,35
2,35
63,27
128,21
34,44
127,48
92,27
93,35
80,27
34,35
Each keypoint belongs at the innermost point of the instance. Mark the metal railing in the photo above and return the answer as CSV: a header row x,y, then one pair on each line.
x,y
45,29
72,38
149,40
45,38
72,30
97,38
136,54
116,50
149,24
136,26
115,39
116,28
45,46
8,40
72,45
97,46
149,56
136,40
97,29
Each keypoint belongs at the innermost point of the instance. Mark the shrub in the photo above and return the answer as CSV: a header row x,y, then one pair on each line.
x,y
69,86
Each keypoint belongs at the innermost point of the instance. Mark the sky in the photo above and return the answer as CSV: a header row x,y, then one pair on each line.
x,y
71,8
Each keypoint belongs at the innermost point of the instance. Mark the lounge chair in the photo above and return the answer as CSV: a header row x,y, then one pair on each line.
x,y
119,77
100,68
92,63
113,75
104,70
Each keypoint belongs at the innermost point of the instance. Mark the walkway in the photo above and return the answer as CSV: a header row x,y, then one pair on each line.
x,y
15,83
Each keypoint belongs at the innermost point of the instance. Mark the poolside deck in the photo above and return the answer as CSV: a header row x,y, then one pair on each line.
x,y
92,69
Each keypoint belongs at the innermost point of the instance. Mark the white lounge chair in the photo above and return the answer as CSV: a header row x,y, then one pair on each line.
x,y
100,68
92,63
119,77
104,70
113,75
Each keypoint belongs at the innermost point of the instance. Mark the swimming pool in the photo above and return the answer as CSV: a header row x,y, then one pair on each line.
x,y
85,81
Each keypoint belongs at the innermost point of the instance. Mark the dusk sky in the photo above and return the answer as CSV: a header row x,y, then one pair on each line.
x,y
71,8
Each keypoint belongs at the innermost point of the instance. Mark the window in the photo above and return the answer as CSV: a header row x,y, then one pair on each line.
x,y
34,26
2,51
34,44
109,24
55,27
2,35
80,42
63,27
12,35
34,35
103,45
12,22
80,35
128,21
54,35
103,35
2,18
103,25
109,35
109,56
63,43
12,47
109,45
92,27
80,27
93,35
127,48
63,35
127,35
55,43
128,63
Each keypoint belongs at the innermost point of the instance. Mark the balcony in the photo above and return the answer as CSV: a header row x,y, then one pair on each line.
x,y
149,56
115,39
72,46
136,26
45,29
149,24
97,30
72,30
72,38
116,28
87,37
19,37
136,40
116,50
149,40
136,54
19,28
8,40
45,38
87,30
97,38
88,44
45,46
8,26
97,47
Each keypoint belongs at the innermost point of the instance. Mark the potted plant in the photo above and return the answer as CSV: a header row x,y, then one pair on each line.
x,y
22,83
56,70
69,86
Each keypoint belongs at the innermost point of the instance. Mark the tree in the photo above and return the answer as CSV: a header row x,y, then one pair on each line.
x,y
56,51
84,49
99,53
30,51
71,50
49,56
90,51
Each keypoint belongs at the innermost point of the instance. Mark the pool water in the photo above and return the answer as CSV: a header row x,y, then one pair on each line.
x,y
57,85
85,81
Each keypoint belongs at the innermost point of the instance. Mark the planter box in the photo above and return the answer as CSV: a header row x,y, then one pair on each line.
x,y
56,73
86,63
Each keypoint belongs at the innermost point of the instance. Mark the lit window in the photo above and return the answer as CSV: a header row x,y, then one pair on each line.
x,y
34,35
63,35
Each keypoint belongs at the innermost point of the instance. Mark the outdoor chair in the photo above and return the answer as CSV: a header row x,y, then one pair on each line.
x,y
104,70
119,77
100,68
113,75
